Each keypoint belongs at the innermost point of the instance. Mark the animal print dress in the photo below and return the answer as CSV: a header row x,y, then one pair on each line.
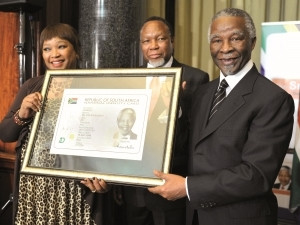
x,y
50,200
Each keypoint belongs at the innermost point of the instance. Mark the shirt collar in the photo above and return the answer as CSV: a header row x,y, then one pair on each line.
x,y
234,79
286,186
168,64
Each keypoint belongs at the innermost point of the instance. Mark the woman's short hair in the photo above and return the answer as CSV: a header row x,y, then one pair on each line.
x,y
62,31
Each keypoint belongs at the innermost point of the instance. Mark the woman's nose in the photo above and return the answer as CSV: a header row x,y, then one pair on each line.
x,y
54,53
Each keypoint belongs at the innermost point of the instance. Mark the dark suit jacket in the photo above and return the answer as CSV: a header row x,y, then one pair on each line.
x,y
194,78
236,157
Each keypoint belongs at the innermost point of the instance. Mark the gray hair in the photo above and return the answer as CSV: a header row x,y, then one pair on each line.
x,y
286,168
129,111
157,18
237,13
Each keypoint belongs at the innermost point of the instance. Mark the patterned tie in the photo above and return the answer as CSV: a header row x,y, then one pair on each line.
x,y
220,95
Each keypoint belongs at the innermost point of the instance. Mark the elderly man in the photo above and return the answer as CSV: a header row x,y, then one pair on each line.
x,y
241,125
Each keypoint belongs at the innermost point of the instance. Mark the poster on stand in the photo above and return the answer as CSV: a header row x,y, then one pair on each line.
x,y
280,60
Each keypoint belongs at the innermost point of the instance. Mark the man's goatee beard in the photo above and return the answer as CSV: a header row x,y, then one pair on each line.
x,y
157,62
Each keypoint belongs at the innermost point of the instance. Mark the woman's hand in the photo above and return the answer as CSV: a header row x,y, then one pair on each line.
x,y
96,185
30,105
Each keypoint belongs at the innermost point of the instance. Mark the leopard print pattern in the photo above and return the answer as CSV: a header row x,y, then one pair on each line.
x,y
49,200
41,156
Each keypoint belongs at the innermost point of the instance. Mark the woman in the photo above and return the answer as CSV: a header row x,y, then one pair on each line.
x,y
47,200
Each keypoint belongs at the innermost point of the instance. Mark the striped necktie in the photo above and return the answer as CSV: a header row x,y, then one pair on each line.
x,y
220,95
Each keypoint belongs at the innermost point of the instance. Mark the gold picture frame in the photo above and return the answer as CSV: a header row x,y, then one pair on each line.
x,y
75,134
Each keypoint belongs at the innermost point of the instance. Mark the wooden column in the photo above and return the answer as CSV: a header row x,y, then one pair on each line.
x,y
9,71
9,85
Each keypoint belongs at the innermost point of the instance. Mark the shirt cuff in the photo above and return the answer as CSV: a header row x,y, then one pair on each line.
x,y
186,188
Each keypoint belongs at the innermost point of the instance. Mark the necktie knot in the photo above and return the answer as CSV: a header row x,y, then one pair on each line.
x,y
223,85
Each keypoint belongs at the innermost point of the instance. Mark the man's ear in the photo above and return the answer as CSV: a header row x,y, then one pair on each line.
x,y
253,42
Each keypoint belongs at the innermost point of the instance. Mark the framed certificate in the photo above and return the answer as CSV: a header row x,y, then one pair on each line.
x,y
114,124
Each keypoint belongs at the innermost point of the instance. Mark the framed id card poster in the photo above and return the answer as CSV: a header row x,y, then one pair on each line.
x,y
114,124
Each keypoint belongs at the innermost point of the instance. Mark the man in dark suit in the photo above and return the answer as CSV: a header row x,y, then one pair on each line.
x,y
143,207
235,156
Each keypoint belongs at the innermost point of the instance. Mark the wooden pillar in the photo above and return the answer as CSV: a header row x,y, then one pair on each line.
x,y
9,86
9,71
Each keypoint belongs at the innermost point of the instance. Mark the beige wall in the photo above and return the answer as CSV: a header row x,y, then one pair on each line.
x,y
192,18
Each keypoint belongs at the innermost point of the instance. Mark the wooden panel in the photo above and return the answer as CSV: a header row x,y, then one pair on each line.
x,y
9,82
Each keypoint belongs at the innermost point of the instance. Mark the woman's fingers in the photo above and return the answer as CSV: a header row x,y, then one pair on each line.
x,y
100,185
30,104
96,185
89,184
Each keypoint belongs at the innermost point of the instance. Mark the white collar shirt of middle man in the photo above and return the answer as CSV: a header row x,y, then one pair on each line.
x,y
162,78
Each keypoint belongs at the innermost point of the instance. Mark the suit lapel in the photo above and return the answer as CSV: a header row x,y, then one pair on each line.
x,y
175,63
203,109
231,104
